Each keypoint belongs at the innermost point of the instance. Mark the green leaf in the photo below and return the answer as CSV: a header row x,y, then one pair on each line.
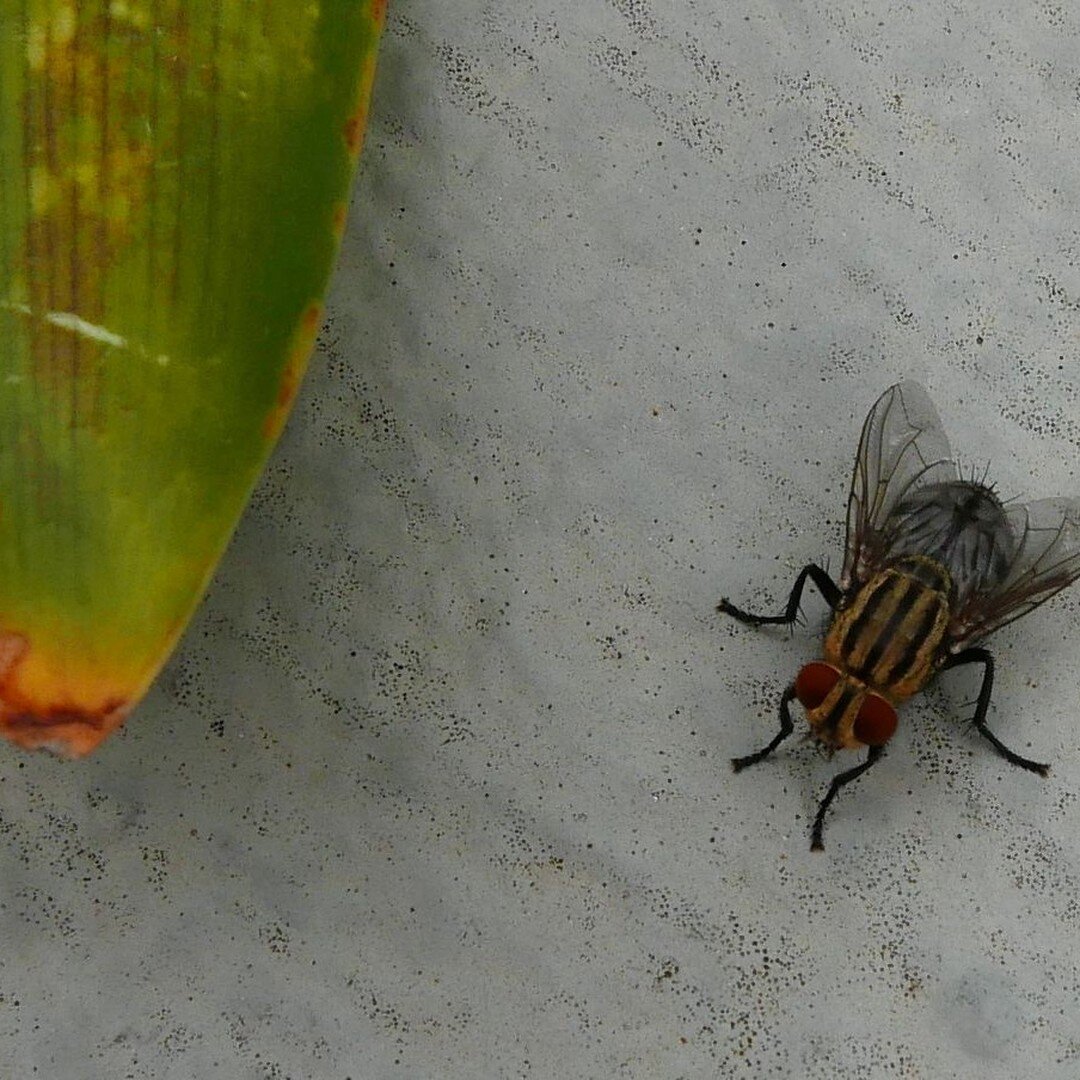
x,y
173,186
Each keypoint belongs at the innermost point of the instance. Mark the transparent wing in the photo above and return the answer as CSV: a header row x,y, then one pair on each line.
x,y
1047,559
902,447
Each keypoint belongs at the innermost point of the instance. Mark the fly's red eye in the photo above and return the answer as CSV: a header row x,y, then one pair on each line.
x,y
875,722
813,683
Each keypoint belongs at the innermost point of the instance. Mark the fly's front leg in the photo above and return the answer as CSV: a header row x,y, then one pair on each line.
x,y
826,586
837,783
982,656
786,728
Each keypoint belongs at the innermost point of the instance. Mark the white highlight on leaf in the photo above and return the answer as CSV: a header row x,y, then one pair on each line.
x,y
68,320
76,324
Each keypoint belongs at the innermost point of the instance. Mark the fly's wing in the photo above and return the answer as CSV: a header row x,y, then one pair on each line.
x,y
902,447
1047,559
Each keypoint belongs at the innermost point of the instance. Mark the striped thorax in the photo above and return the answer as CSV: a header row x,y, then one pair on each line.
x,y
885,643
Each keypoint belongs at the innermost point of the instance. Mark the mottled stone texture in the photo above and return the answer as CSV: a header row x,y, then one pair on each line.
x,y
437,784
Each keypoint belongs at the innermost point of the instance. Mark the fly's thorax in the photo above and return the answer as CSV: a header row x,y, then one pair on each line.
x,y
891,634
843,712
925,570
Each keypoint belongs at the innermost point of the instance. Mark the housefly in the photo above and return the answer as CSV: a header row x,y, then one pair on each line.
x,y
933,564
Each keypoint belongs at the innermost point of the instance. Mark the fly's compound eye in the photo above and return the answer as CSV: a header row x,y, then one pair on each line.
x,y
876,721
813,683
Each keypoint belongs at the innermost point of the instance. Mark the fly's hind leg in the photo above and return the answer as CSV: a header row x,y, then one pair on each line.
x,y
786,728
982,656
827,587
837,783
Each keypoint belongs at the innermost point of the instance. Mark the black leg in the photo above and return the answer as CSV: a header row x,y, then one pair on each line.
x,y
982,656
825,584
837,783
786,728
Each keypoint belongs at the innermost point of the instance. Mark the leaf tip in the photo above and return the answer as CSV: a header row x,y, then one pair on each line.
x,y
68,730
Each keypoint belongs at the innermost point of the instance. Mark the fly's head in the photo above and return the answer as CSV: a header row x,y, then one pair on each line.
x,y
842,711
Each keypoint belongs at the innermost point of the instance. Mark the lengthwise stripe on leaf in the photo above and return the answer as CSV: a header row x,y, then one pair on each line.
x,y
174,187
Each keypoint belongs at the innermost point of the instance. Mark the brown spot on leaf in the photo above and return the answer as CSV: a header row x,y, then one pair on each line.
x,y
341,215
13,647
89,165
293,372
354,131
65,728
357,122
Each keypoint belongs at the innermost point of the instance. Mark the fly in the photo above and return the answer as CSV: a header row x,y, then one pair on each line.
x,y
933,563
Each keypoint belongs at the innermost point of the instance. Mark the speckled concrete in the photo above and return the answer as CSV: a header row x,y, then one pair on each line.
x,y
437,784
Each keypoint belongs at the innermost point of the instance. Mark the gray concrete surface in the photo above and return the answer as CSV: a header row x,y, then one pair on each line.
x,y
437,784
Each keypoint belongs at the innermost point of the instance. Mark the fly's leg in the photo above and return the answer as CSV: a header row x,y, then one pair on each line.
x,y
982,656
826,586
786,728
837,783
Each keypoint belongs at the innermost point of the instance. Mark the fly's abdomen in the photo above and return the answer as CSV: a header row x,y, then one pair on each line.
x,y
890,635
